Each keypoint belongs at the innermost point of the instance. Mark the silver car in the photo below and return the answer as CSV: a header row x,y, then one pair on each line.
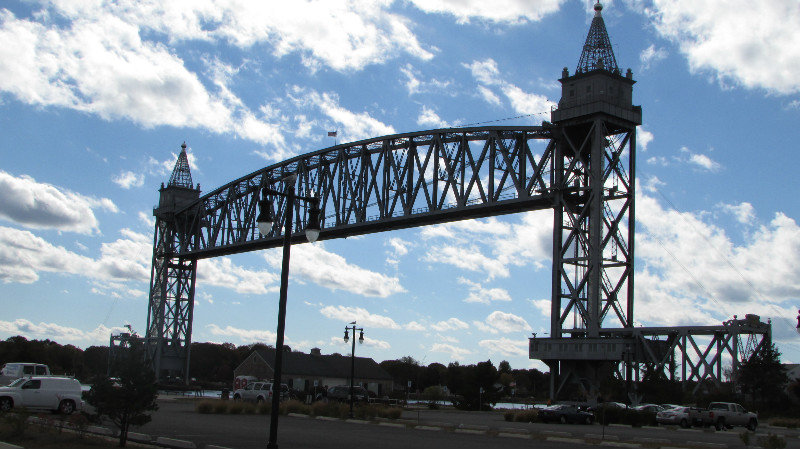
x,y
681,416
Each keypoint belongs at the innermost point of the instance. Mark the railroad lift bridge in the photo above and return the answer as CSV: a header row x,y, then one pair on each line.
x,y
581,164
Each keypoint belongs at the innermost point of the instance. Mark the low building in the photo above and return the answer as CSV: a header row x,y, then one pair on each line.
x,y
309,371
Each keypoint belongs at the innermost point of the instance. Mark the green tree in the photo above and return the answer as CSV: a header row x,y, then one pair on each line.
x,y
128,396
763,376
473,385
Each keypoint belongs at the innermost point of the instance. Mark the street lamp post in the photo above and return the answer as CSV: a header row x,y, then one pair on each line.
x,y
353,357
265,223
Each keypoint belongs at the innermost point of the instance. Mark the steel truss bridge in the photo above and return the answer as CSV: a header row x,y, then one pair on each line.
x,y
581,165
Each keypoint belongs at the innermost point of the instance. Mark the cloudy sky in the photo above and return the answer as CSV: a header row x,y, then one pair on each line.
x,y
97,97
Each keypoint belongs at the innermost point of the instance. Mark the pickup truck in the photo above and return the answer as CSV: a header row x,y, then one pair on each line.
x,y
725,415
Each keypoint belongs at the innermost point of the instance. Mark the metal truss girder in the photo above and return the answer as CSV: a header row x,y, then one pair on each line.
x,y
381,184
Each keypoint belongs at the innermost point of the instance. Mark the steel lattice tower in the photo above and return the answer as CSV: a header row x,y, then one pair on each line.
x,y
172,280
593,230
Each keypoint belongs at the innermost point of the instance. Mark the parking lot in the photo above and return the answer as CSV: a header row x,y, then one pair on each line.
x,y
443,429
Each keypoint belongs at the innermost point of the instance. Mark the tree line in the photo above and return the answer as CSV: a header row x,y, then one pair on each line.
x,y
762,380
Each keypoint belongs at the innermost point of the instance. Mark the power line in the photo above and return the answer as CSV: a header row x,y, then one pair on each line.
x,y
724,257
505,119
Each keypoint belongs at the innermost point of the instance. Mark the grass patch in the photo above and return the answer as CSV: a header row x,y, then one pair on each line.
x,y
332,409
66,433
791,423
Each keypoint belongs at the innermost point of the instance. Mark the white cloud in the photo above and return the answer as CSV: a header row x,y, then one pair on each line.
x,y
416,85
57,332
399,246
464,244
312,263
705,162
414,326
351,126
39,205
128,180
451,324
483,327
753,46
377,344
489,96
147,219
506,347
643,138
651,55
512,11
23,256
484,295
744,212
359,315
453,352
222,272
704,277
507,322
429,118
244,335
486,73
543,305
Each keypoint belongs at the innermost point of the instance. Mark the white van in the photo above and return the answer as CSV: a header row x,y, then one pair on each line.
x,y
16,370
60,394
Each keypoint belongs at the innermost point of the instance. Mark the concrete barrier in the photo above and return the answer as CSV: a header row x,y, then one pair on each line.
x,y
140,437
101,431
171,442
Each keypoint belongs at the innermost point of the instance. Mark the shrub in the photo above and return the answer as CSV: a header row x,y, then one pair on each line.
x,y
791,423
249,408
509,415
526,415
79,423
236,408
295,406
772,441
390,412
365,411
220,406
264,408
17,422
332,409
205,406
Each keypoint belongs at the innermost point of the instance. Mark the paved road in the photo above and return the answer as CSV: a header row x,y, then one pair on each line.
x,y
177,419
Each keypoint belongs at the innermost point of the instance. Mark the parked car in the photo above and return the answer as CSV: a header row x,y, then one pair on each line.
x,y
342,393
56,393
259,392
725,415
681,416
649,408
565,413
13,371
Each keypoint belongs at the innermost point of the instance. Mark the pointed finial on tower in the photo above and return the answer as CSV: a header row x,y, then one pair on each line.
x,y
181,174
597,51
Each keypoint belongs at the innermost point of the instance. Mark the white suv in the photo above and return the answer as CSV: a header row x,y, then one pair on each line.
x,y
61,394
258,392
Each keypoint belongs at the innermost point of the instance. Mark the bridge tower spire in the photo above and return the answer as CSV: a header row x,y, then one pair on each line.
x,y
593,208
172,279
181,174
597,51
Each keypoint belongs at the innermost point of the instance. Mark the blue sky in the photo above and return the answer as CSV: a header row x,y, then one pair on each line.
x,y
96,99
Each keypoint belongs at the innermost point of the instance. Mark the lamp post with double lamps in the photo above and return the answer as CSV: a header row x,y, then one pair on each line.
x,y
353,357
265,223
